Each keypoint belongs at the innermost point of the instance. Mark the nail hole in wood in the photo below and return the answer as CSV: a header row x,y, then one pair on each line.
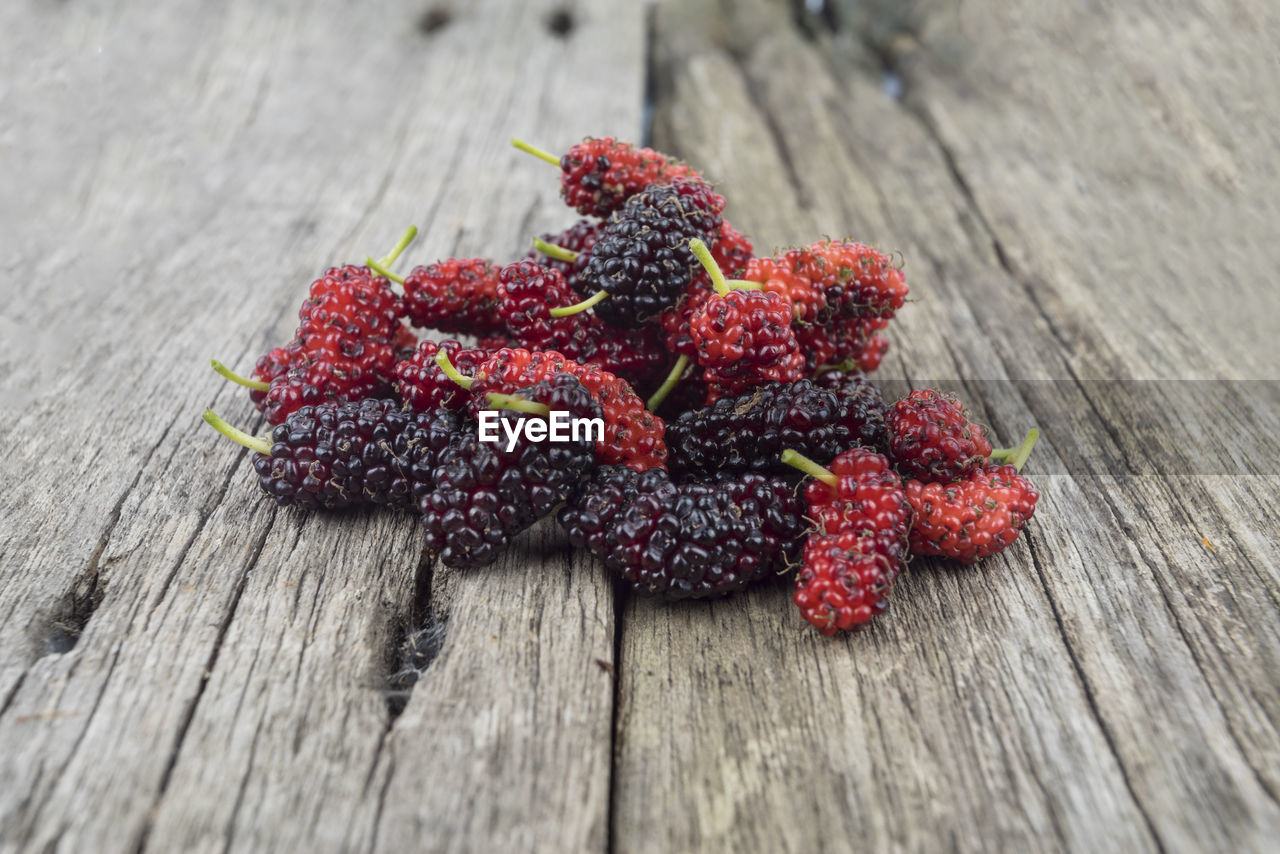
x,y
560,23
434,19
71,615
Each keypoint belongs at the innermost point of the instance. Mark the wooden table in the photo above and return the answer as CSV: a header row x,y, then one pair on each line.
x,y
1082,195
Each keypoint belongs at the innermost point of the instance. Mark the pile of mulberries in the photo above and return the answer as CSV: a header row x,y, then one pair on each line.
x,y
697,416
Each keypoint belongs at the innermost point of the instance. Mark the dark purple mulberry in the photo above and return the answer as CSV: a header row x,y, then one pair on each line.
x,y
686,540
750,431
484,493
642,257
334,455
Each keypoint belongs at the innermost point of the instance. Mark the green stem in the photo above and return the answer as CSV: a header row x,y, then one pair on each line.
x,y
256,385
442,359
709,264
519,404
535,151
390,258
253,443
808,466
1017,455
566,310
718,281
553,251
673,378
844,367
381,269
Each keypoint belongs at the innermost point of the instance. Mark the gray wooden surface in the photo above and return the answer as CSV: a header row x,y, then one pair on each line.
x,y
1082,194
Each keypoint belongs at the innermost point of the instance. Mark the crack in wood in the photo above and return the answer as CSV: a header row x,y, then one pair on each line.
x,y
928,126
1090,698
190,712
1162,588
13,692
61,631
615,671
770,124
232,471
382,791
33,819
414,646
230,826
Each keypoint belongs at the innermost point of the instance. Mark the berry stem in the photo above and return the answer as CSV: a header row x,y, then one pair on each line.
x,y
256,385
673,378
498,400
566,310
253,443
709,264
718,281
535,151
442,359
808,466
381,269
390,258
1017,455
844,367
553,251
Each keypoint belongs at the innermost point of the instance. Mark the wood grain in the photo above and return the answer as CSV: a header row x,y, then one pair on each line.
x,y
1082,196
1089,689
229,689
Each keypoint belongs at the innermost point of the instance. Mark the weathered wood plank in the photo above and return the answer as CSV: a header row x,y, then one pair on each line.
x,y
1081,692
1099,188
183,666
1122,155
